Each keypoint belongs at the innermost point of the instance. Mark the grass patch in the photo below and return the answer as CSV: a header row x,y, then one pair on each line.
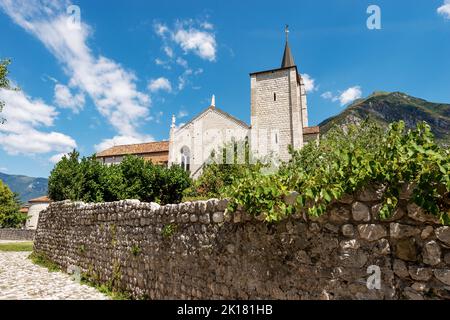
x,y
16,246
114,295
105,289
44,261
169,230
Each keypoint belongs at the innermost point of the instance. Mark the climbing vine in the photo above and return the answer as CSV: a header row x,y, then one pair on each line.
x,y
346,160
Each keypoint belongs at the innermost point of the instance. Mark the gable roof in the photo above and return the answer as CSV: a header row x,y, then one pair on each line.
x,y
299,78
311,130
40,199
139,148
225,114
288,58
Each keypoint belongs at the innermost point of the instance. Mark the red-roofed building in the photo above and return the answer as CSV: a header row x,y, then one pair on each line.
x,y
36,206
157,152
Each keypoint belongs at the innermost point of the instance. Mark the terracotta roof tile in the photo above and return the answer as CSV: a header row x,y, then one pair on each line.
x,y
40,199
141,148
311,130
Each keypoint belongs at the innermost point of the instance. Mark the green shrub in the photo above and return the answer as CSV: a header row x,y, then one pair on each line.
x,y
134,178
345,161
220,173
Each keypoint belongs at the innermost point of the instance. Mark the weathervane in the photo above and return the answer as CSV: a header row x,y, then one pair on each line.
x,y
286,30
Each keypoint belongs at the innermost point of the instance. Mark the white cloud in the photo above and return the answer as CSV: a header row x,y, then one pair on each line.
x,y
57,157
111,87
120,140
4,169
344,97
183,79
327,95
190,38
445,9
182,114
168,51
310,85
161,29
65,99
23,132
206,25
182,62
160,84
350,95
162,63
201,43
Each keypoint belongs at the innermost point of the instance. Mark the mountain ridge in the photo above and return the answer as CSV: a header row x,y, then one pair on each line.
x,y
388,107
27,187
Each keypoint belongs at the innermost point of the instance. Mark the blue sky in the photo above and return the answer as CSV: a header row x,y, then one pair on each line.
x,y
119,75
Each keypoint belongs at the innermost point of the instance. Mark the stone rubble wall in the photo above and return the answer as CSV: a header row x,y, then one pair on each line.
x,y
16,234
196,250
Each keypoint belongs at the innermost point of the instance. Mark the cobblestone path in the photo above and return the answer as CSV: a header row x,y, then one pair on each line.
x,y
21,279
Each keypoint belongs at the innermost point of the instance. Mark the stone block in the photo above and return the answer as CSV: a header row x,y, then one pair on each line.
x,y
398,231
348,230
405,249
443,234
420,274
431,253
218,217
443,275
427,232
360,212
371,232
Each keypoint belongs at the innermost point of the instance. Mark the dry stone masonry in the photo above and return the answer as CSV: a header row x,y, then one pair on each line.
x,y
197,250
16,234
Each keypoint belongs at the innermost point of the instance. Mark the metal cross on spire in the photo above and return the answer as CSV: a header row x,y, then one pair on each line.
x,y
288,59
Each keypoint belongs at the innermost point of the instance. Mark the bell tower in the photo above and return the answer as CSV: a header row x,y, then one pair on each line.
x,y
278,108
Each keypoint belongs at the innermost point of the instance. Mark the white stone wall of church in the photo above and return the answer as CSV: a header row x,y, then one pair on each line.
x,y
304,105
271,120
206,133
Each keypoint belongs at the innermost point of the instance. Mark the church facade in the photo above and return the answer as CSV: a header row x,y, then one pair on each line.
x,y
279,119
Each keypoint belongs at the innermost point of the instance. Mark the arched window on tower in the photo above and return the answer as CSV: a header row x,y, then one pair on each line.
x,y
274,96
185,159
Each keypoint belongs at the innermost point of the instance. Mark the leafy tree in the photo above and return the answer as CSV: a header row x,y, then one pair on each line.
x,y
113,183
65,181
172,182
4,82
140,179
134,178
90,175
10,217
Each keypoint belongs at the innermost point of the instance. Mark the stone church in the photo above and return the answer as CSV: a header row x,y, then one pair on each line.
x,y
279,118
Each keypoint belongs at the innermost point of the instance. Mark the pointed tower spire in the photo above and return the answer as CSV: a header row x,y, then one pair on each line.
x,y
288,59
173,122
